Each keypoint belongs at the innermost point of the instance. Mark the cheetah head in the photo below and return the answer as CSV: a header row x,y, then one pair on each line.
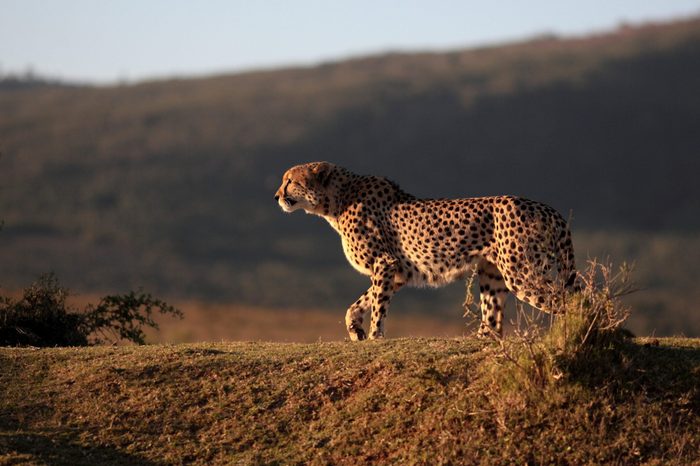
x,y
304,187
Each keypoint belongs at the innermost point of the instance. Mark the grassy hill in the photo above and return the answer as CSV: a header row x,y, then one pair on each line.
x,y
169,184
405,401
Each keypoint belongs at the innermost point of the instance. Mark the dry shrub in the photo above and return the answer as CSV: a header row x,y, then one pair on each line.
x,y
43,318
588,322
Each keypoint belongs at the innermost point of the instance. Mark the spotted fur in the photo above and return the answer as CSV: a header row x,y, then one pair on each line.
x,y
517,245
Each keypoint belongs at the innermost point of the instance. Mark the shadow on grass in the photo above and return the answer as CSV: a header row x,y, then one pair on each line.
x,y
22,443
657,372
59,447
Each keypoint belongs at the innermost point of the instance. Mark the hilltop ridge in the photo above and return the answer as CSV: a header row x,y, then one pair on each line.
x,y
408,401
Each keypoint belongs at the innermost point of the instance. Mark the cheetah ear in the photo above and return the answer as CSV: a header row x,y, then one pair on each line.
x,y
322,173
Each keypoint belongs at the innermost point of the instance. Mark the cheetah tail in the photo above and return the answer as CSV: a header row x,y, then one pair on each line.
x,y
568,264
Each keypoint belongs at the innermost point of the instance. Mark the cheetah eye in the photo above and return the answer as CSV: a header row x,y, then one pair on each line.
x,y
296,187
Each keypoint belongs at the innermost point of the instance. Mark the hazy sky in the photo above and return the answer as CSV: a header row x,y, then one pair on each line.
x,y
109,40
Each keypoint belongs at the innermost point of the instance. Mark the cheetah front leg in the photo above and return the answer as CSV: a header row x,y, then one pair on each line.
x,y
354,316
383,288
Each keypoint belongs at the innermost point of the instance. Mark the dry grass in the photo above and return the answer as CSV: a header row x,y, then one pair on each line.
x,y
404,401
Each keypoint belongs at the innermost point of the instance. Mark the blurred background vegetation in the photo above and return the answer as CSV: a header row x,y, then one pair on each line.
x,y
168,184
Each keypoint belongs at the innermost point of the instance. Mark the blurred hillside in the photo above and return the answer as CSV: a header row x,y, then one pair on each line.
x,y
169,184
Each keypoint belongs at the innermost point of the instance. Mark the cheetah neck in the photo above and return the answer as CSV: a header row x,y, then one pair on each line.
x,y
341,194
346,189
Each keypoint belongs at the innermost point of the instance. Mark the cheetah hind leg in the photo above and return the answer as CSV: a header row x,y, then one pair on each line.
x,y
543,293
492,297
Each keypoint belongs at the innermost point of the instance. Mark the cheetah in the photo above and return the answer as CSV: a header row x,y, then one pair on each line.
x,y
512,243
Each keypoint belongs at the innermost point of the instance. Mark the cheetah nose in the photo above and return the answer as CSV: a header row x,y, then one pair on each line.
x,y
277,198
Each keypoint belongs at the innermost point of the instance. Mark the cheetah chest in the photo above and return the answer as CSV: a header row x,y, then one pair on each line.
x,y
362,241
356,259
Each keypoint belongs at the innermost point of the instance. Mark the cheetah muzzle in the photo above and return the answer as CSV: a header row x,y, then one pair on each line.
x,y
517,246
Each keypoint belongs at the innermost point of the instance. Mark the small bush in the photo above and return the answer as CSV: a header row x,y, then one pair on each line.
x,y
594,316
589,322
43,318
124,316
